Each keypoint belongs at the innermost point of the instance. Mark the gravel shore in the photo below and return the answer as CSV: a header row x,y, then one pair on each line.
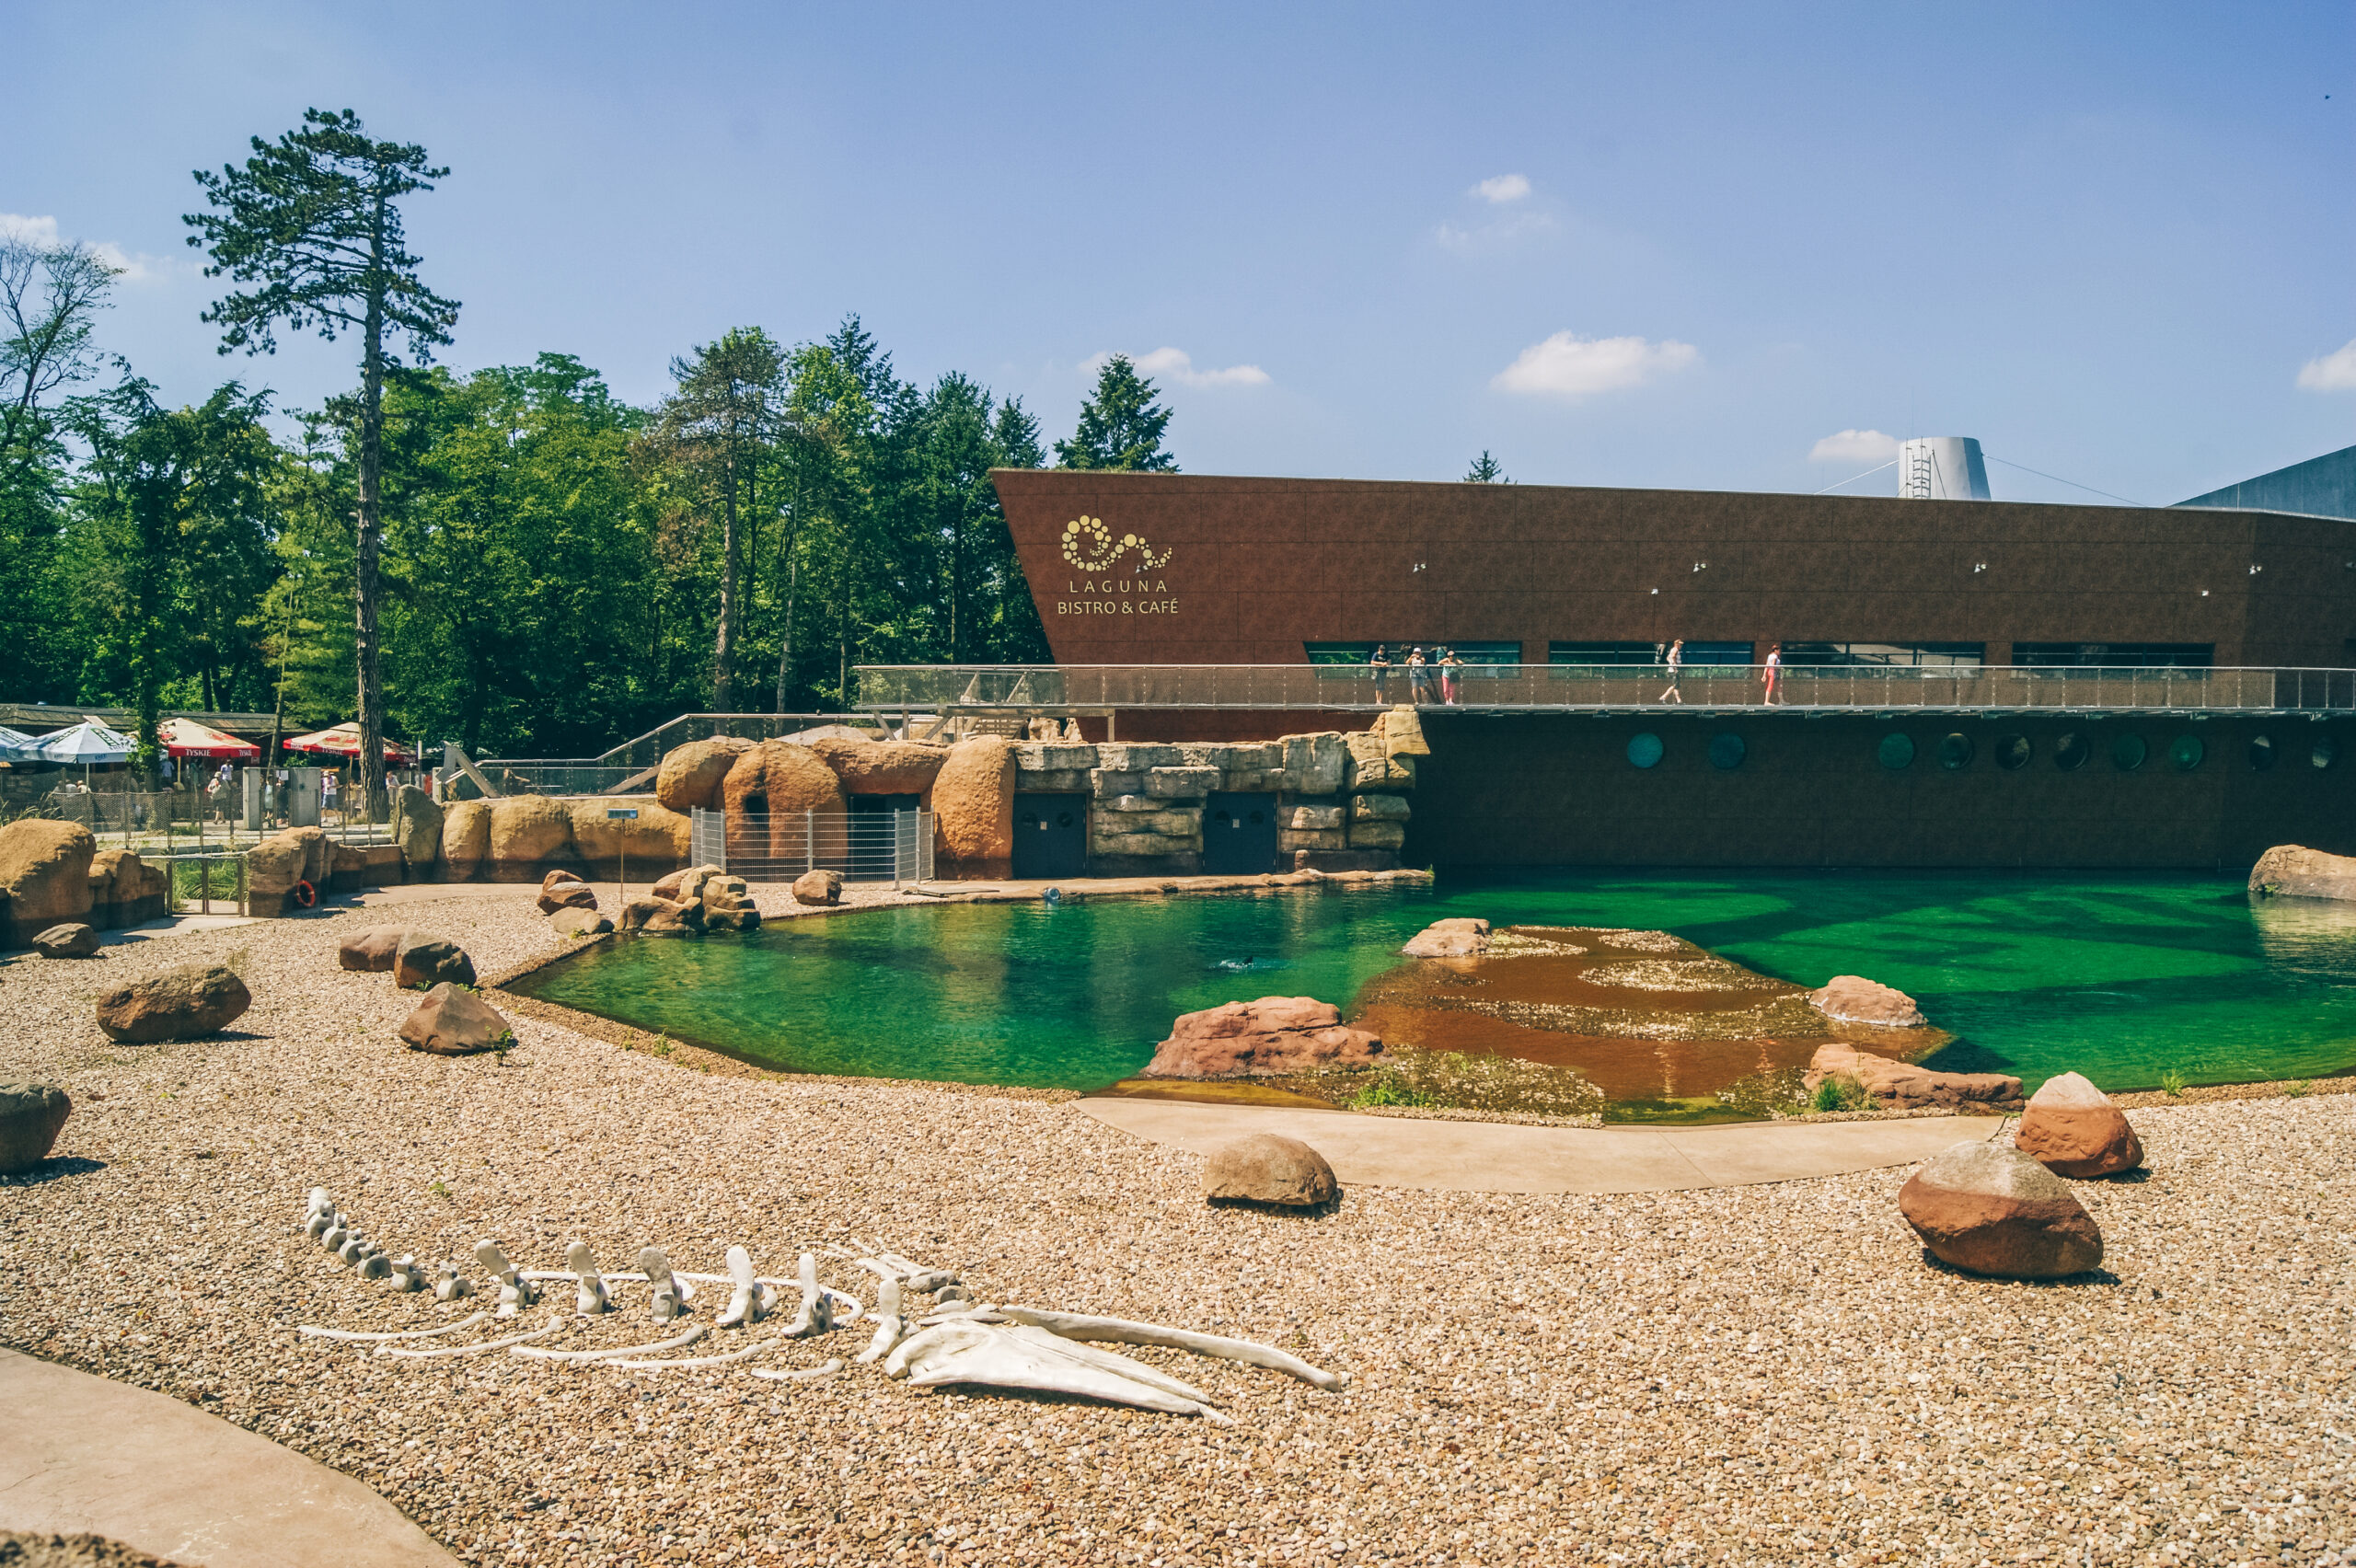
x,y
1759,1375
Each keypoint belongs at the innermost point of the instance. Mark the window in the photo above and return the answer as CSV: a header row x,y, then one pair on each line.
x,y
1727,750
2186,752
2145,656
1900,655
1606,653
2261,753
1487,654
1896,751
1955,752
1644,749
2013,752
2070,752
2127,752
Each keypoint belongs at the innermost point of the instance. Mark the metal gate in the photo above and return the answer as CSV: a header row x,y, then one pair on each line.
x,y
1239,834
1050,837
865,846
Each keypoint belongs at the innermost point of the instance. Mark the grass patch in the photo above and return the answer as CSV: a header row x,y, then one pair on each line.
x,y
2172,1083
1839,1091
2298,1088
1466,1080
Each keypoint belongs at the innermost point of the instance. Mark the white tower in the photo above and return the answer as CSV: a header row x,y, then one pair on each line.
x,y
1941,468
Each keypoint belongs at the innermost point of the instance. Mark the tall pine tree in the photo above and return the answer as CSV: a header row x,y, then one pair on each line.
x,y
1120,425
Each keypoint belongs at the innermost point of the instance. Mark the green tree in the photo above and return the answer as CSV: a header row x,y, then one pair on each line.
x,y
1120,426
721,424
1486,471
313,219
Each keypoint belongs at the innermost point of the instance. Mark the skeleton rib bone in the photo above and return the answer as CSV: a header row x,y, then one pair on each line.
x,y
678,1342
541,1332
1121,1330
355,1334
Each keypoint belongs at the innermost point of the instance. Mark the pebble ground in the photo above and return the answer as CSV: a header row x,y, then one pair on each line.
x,y
1762,1375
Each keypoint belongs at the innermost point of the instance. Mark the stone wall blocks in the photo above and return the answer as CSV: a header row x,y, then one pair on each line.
x,y
1314,819
1131,803
1378,835
1137,756
1181,783
1063,782
1315,762
1378,807
1053,756
1106,782
1290,839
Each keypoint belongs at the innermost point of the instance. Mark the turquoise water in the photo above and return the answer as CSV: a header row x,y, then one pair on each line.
x,y
2121,978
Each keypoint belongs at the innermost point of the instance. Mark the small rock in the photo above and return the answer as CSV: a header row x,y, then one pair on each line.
x,y
1263,1167
370,951
1273,1034
1903,1085
421,960
2072,1128
1852,999
818,887
1450,939
573,924
72,939
31,1115
567,896
668,887
180,1004
1991,1209
661,917
450,1021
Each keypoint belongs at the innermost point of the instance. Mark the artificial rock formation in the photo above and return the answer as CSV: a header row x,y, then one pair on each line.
x,y
691,775
278,867
31,1115
782,782
2072,1128
879,767
44,877
1264,1168
420,960
610,846
574,924
73,940
661,917
818,887
466,839
972,804
126,890
562,889
1852,999
1273,1034
525,831
417,828
727,904
2290,871
450,1021
180,1004
1903,1085
371,949
1450,939
1991,1209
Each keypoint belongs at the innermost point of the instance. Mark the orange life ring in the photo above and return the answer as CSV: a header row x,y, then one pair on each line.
x,y
306,894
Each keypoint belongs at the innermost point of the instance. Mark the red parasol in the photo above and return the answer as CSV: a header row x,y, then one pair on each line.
x,y
186,737
343,740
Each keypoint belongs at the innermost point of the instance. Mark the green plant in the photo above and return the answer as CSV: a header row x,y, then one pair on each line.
x,y
1838,1091
1386,1088
237,961
438,1190
2299,1089
2172,1083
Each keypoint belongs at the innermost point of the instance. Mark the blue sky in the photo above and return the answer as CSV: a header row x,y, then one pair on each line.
x,y
1672,245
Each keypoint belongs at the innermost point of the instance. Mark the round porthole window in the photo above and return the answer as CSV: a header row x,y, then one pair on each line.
x,y
1895,752
2013,752
1258,817
1727,750
2326,752
2186,752
2070,752
1063,819
2261,753
1644,749
2127,752
1955,752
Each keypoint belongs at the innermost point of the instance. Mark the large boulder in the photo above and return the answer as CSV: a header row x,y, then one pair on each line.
x,y
1450,939
1373,766
572,894
691,775
1402,730
417,828
527,832
777,784
421,960
127,891
1264,1168
1273,1034
44,876
879,767
574,924
73,940
452,1021
818,887
1852,999
656,839
2291,870
465,838
370,949
728,904
1314,764
661,917
180,1004
2072,1128
972,809
1903,1085
31,1115
1991,1209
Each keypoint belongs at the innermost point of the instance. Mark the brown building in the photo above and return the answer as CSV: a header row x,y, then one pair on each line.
x,y
1170,569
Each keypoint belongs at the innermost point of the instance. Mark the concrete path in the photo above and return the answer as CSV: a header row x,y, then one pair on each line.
x,y
79,1453
1490,1157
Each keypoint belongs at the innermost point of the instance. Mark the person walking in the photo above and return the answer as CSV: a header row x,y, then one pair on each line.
x,y
1380,665
1775,670
1419,676
1676,661
1450,666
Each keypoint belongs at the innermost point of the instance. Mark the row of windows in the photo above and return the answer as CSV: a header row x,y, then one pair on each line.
x,y
2012,752
1700,654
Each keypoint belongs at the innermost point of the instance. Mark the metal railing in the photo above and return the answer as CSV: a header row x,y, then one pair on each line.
x,y
1602,688
629,767
874,846
199,882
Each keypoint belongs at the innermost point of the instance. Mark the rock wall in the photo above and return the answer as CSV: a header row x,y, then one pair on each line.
x,y
54,872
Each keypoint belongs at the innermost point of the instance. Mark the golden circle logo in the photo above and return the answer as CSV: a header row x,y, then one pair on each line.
x,y
1088,544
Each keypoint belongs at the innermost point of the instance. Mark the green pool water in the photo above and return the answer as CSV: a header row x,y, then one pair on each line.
x,y
2121,978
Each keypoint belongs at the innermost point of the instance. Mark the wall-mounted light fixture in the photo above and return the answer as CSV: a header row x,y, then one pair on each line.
x,y
1978,567
1700,566
2255,569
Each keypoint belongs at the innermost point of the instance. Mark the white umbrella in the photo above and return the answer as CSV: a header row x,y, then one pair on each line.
x,y
86,742
18,746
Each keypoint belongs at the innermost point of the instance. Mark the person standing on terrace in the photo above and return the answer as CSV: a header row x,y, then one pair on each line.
x,y
1676,662
1774,668
1380,665
1450,665
1419,676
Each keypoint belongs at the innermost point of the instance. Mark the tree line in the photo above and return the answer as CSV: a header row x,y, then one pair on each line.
x,y
511,558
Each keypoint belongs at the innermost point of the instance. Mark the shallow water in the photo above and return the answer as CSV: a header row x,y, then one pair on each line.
x,y
2121,978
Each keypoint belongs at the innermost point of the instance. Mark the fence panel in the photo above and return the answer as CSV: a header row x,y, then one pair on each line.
x,y
870,847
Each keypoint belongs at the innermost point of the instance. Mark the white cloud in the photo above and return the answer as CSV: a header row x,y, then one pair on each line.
x,y
1854,447
1503,188
2335,372
1567,365
1176,364
42,230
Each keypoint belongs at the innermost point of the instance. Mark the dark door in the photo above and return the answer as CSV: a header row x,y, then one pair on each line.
x,y
1050,836
872,836
1239,834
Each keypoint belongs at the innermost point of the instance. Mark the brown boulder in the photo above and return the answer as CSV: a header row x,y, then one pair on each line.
x,y
691,775
1273,1034
657,837
180,1004
661,917
1903,1085
1450,939
1993,1210
778,784
574,924
2072,1128
73,940
44,876
556,879
450,1021
417,828
31,1115
465,838
567,896
371,949
420,960
972,807
1262,1168
818,887
126,890
879,767
525,831
2291,870
721,891
1852,999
